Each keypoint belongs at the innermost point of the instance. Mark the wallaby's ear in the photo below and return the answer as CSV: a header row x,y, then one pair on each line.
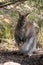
x,y
20,15
26,14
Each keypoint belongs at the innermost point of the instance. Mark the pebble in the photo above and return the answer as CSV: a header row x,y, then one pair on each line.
x,y
11,63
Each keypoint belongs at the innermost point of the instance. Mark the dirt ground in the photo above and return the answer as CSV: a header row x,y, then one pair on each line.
x,y
20,58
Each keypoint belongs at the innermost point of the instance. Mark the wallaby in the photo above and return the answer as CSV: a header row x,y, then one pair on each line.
x,y
25,35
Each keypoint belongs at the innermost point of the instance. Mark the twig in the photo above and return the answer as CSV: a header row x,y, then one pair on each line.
x,y
6,4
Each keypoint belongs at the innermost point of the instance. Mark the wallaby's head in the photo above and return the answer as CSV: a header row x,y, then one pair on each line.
x,y
23,16
21,20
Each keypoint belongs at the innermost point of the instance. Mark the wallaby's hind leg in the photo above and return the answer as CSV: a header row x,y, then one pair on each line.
x,y
29,46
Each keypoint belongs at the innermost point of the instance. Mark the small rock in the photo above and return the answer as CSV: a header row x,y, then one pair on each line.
x,y
11,63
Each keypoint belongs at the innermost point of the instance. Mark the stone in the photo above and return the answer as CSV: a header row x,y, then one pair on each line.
x,y
11,63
